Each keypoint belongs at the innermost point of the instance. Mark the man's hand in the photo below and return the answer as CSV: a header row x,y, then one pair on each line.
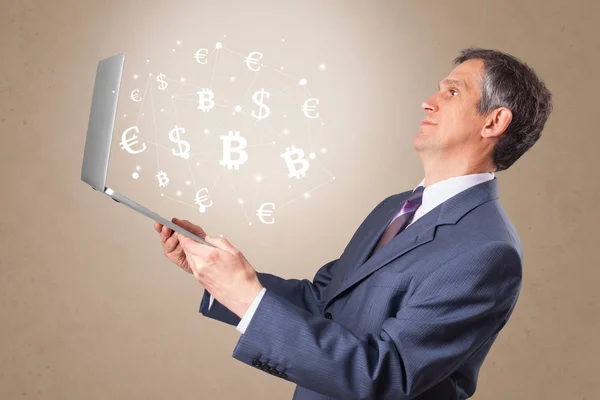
x,y
170,242
222,270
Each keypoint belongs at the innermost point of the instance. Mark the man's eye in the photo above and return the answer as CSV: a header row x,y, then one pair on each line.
x,y
452,90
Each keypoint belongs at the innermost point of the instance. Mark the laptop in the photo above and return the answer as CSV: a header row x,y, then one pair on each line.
x,y
99,137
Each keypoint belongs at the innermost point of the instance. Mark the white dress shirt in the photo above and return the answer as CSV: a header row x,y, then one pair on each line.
x,y
433,196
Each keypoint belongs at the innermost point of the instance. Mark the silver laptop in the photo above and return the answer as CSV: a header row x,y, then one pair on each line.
x,y
99,138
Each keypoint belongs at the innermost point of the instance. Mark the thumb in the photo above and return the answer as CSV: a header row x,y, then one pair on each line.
x,y
221,243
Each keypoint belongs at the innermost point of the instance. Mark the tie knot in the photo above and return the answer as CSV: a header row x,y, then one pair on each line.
x,y
416,196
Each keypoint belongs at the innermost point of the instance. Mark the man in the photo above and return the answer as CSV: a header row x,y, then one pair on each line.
x,y
412,306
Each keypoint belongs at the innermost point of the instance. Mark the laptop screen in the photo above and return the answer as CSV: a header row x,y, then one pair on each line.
x,y
102,121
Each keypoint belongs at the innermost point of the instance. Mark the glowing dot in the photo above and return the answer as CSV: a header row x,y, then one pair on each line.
x,y
224,36
135,175
283,40
322,67
178,193
218,45
206,131
188,183
182,79
113,91
284,116
124,115
323,150
173,49
162,110
272,142
312,156
221,235
197,164
281,68
249,223
286,131
135,76
334,177
259,178
138,167
232,79
172,97
142,113
147,60
202,209
306,195
289,187
322,123
178,42
240,201
238,108
150,74
303,81
162,194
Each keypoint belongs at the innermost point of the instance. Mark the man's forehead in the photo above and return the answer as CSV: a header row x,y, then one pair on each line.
x,y
464,75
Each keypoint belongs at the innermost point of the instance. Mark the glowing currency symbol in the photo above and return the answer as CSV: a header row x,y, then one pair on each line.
x,y
163,180
265,213
199,200
242,143
162,84
201,56
206,96
136,96
258,98
252,60
300,159
306,108
174,136
126,142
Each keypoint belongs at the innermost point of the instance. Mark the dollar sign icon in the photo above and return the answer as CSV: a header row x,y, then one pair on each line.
x,y
308,109
258,98
162,84
126,142
265,213
289,152
227,161
174,136
199,200
206,96
163,180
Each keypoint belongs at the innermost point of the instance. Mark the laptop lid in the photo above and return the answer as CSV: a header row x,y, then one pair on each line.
x,y
102,121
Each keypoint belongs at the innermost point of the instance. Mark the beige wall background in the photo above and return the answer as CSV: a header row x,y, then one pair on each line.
x,y
89,306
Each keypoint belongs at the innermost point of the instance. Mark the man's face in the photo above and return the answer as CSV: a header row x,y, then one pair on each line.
x,y
453,110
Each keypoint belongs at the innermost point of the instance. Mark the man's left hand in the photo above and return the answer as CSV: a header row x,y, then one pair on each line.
x,y
223,271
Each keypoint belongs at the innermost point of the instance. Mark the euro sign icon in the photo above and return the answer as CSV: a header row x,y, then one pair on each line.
x,y
251,60
309,109
266,213
126,142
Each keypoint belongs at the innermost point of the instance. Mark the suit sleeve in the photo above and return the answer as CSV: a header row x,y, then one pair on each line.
x,y
449,316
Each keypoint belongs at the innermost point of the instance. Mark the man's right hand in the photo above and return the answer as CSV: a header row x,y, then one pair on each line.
x,y
170,241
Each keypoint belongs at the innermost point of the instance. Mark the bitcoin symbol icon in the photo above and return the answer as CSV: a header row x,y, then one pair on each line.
x,y
174,136
265,213
257,98
163,180
300,159
251,60
206,96
201,56
199,200
227,161
136,96
126,142
306,108
162,84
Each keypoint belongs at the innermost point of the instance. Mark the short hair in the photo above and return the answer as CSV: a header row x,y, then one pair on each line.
x,y
508,82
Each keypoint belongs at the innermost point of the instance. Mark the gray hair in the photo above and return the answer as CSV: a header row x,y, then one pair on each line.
x,y
508,82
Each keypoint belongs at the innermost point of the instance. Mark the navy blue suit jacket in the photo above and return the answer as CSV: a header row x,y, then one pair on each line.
x,y
415,321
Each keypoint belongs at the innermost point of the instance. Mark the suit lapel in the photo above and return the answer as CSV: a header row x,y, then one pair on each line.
x,y
420,232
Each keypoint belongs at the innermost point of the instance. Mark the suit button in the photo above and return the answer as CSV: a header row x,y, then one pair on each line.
x,y
273,371
328,315
265,367
256,363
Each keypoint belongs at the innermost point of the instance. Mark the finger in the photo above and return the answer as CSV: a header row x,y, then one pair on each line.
x,y
158,227
171,243
165,233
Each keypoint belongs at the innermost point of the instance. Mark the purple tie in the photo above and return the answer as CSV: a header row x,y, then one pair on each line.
x,y
402,219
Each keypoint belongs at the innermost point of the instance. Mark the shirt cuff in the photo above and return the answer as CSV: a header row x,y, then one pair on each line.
x,y
241,327
211,301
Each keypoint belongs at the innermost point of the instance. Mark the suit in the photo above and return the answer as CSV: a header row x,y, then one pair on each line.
x,y
413,321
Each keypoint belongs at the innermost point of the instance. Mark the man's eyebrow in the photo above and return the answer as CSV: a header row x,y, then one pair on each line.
x,y
453,81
